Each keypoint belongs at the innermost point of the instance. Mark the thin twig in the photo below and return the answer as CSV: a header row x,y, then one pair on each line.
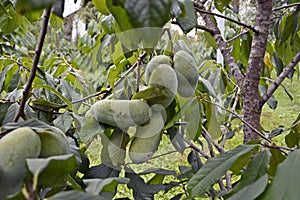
x,y
138,74
205,28
286,6
236,36
236,100
287,70
227,18
209,139
21,112
193,146
245,122
131,69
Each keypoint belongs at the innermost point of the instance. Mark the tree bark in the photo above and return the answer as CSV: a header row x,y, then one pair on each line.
x,y
250,94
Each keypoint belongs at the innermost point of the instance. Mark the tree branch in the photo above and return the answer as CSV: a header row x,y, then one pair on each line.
x,y
223,46
26,91
239,117
227,18
287,70
250,93
286,6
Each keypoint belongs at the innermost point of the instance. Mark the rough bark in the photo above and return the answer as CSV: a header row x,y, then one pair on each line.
x,y
251,99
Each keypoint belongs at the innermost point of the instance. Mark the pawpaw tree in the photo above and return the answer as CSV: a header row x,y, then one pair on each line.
x,y
154,99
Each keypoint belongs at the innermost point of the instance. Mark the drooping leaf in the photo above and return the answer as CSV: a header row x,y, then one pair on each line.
x,y
52,171
29,5
101,171
276,158
257,168
193,117
188,22
251,191
286,181
90,129
214,169
155,13
43,102
141,190
63,122
176,139
195,161
52,89
101,6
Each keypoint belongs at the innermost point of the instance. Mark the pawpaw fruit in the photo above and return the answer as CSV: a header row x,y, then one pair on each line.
x,y
117,146
153,63
121,113
164,77
187,73
146,139
53,144
15,147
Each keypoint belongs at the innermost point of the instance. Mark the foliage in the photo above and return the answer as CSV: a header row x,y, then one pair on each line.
x,y
130,84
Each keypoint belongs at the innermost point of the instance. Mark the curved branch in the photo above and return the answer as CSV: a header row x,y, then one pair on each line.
x,y
287,70
38,51
227,18
286,6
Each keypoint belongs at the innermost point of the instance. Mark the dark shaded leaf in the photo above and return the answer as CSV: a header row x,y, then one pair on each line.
x,y
195,161
52,171
101,171
75,194
276,158
188,22
176,139
214,169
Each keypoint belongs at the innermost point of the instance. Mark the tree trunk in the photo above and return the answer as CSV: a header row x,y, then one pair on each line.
x,y
251,98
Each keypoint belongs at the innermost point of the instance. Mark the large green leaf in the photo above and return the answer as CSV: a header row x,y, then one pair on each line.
x,y
29,5
189,22
257,168
286,182
151,13
276,158
101,6
214,169
52,171
251,191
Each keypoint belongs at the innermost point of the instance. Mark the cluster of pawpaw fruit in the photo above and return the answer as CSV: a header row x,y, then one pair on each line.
x,y
146,108
23,143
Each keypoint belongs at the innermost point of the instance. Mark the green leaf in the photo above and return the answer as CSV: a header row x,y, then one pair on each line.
x,y
96,186
52,171
176,139
90,129
190,21
221,4
193,117
117,9
213,123
276,158
52,89
8,23
210,39
253,190
30,5
257,168
101,6
43,102
153,95
108,24
63,122
214,169
285,184
155,13
75,194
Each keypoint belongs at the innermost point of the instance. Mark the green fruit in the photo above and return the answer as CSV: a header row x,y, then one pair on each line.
x,y
53,144
117,146
187,73
121,113
153,63
15,147
146,139
164,77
